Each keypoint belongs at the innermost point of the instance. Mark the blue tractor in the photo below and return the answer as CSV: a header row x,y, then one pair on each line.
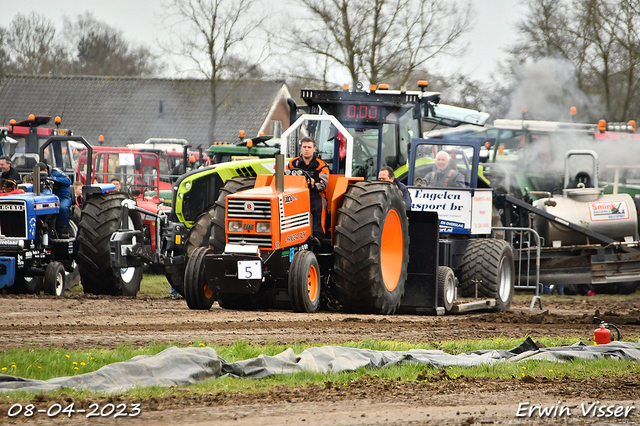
x,y
33,255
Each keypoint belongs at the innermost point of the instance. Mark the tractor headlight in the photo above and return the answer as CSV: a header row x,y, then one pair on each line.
x,y
235,226
263,227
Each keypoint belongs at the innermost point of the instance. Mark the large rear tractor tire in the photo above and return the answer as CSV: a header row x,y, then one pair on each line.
x,y
304,282
54,279
489,263
371,248
101,218
446,287
211,223
196,290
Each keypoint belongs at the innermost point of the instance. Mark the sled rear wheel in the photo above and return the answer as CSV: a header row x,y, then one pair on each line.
x,y
489,263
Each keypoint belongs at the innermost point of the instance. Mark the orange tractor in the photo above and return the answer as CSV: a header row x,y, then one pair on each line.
x,y
261,252
267,252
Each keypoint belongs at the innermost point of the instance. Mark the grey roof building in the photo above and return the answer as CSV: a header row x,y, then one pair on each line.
x,y
131,110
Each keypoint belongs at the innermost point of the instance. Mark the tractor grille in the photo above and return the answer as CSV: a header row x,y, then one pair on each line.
x,y
13,219
249,209
261,240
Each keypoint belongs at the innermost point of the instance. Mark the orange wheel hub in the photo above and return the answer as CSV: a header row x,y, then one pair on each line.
x,y
391,250
313,284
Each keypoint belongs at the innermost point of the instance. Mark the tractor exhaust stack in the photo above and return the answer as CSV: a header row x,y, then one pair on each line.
x,y
280,173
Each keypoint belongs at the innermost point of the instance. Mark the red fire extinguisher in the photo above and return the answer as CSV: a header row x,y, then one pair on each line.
x,y
602,335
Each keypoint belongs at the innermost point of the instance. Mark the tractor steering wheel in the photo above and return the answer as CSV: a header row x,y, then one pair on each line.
x,y
300,172
420,182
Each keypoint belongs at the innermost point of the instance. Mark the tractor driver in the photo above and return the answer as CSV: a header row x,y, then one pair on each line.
x,y
386,174
8,172
319,177
61,184
444,176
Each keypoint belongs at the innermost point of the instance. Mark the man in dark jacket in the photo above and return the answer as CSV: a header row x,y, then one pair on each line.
x,y
318,171
444,176
386,174
8,172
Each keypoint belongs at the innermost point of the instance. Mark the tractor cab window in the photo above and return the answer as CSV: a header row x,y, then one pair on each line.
x,y
331,147
381,137
59,154
164,164
365,152
443,166
136,172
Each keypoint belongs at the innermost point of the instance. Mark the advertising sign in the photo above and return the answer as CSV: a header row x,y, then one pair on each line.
x,y
456,208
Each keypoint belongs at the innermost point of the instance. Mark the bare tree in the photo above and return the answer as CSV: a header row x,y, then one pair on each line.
x,y
600,38
5,60
33,45
99,49
379,39
214,36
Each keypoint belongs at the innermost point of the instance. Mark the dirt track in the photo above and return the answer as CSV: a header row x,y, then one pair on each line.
x,y
87,322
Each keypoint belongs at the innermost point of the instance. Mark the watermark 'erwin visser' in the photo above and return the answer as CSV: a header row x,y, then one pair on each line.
x,y
594,409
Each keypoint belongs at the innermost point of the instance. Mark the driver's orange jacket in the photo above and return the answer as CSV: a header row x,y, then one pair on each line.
x,y
316,168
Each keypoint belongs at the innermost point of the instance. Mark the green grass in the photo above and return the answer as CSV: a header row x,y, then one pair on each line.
x,y
35,363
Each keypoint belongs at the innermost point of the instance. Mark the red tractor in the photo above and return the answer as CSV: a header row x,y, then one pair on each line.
x,y
139,179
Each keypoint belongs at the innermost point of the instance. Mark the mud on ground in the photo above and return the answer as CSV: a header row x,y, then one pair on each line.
x,y
81,321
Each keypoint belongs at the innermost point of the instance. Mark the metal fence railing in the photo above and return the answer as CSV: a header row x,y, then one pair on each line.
x,y
526,244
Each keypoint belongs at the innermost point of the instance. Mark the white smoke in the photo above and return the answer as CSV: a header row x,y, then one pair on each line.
x,y
545,156
548,88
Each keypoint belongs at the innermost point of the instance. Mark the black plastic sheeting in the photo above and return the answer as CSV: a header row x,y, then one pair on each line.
x,y
184,366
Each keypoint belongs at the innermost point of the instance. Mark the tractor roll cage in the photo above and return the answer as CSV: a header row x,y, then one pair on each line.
x,y
311,117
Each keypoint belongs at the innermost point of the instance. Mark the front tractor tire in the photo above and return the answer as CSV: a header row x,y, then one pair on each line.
x,y
371,248
304,282
101,218
211,223
196,290
54,279
489,263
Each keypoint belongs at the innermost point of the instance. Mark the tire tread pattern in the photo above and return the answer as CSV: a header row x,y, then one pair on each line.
x,y
298,282
195,281
100,218
358,236
480,263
